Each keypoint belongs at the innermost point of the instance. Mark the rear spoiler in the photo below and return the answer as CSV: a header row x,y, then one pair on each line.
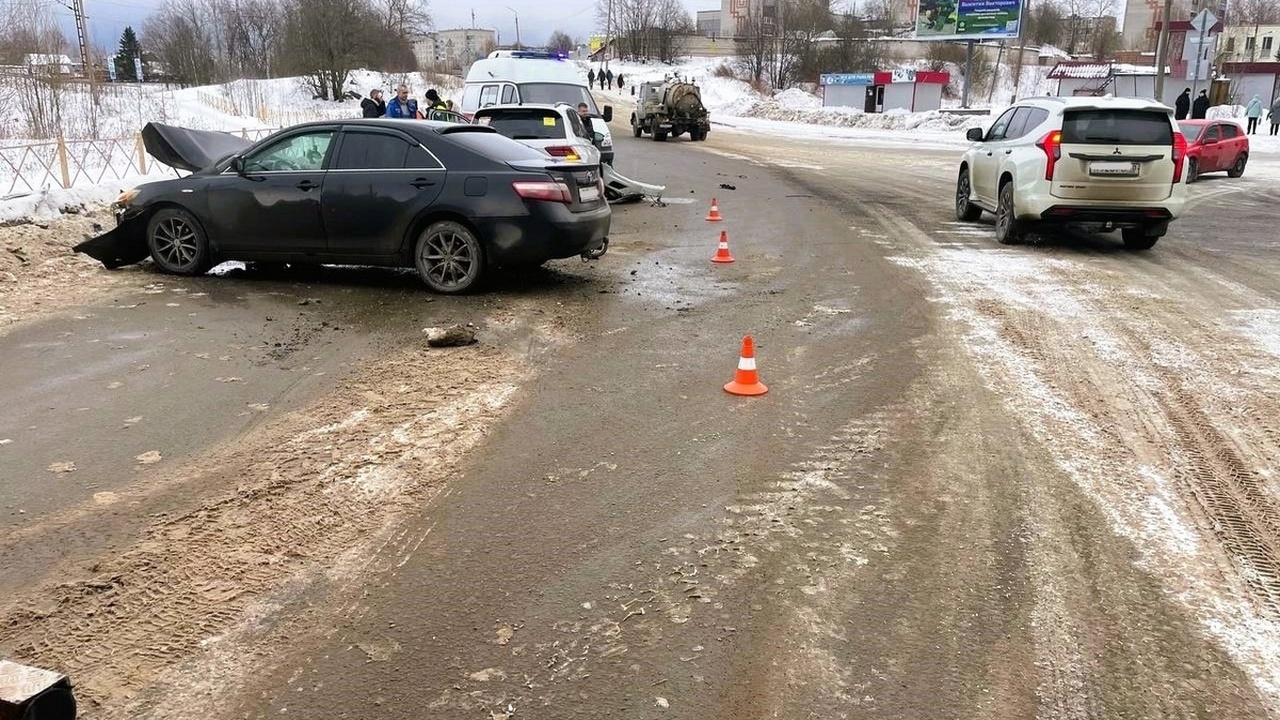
x,y
453,129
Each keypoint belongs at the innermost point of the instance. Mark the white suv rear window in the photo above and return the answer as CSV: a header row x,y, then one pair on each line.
x,y
1116,127
525,124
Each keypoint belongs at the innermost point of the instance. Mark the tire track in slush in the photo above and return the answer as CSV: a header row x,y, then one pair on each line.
x,y
1128,411
298,504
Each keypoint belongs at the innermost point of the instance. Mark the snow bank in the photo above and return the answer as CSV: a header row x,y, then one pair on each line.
x,y
798,99
48,204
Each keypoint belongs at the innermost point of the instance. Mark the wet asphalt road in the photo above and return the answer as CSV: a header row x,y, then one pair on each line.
x,y
879,536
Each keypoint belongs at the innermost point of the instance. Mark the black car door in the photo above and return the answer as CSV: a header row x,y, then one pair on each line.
x,y
378,183
273,206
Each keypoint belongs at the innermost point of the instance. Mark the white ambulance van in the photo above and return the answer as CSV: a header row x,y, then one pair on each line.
x,y
511,77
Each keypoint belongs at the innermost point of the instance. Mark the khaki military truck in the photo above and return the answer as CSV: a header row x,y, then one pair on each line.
x,y
670,109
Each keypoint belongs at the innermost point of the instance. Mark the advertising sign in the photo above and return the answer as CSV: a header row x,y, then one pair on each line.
x,y
594,43
968,19
849,79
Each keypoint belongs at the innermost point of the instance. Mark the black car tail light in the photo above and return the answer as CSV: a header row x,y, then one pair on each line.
x,y
548,190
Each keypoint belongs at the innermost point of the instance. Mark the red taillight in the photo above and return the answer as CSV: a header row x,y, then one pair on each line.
x,y
564,151
1051,144
549,191
1179,155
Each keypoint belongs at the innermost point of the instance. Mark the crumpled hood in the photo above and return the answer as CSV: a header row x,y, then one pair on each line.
x,y
189,150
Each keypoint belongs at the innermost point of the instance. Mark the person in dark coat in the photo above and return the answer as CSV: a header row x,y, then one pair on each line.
x,y
608,75
591,78
619,81
1182,106
373,106
1200,107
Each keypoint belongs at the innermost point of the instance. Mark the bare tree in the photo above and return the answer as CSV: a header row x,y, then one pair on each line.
x,y
756,40
183,42
560,41
326,39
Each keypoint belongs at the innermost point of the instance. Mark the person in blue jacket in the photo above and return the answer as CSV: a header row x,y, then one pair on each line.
x,y
1254,113
402,106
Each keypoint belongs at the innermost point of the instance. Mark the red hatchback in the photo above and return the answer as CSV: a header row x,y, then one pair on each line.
x,y
1214,145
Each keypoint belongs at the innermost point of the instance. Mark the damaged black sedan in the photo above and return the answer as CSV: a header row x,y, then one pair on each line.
x,y
452,201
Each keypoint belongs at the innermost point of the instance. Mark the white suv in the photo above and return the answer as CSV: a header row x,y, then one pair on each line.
x,y
554,129
1094,161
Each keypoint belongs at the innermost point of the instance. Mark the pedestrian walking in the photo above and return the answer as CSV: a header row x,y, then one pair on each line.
x,y
1254,113
1182,106
619,81
591,78
373,106
609,77
1200,107
1274,115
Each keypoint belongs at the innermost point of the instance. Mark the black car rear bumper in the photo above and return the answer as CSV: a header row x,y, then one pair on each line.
x,y
550,232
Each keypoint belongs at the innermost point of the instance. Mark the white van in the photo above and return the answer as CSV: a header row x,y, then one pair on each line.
x,y
512,77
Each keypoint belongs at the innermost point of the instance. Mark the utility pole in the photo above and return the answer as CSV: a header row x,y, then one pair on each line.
x,y
608,30
1162,49
86,60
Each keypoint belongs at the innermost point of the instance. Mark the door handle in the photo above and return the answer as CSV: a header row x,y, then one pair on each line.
x,y
1008,152
421,183
307,186
988,153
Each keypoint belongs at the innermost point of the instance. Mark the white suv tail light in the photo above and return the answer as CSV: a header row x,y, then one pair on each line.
x,y
1051,144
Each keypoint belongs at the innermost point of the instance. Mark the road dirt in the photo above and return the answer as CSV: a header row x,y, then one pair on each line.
x,y
987,482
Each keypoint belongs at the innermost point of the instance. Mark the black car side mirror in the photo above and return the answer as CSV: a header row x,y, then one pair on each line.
x,y
237,165
608,113
975,135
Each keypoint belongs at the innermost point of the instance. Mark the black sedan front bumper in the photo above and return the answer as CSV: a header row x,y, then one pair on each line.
x,y
124,244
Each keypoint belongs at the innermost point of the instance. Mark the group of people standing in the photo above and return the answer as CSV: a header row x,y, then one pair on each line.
x,y
1253,111
604,76
402,106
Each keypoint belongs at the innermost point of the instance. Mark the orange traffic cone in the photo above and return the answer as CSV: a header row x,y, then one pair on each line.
x,y
722,252
746,381
714,215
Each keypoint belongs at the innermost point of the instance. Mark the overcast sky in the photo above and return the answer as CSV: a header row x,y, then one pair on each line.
x,y
538,18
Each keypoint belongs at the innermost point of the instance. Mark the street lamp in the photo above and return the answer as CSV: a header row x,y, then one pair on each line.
x,y
513,12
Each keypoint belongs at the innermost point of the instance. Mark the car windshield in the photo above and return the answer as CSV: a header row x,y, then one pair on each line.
x,y
1117,127
552,93
524,124
1190,131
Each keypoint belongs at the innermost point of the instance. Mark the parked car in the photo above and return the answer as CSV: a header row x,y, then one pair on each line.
x,y
554,129
1214,145
448,116
1092,161
508,77
452,201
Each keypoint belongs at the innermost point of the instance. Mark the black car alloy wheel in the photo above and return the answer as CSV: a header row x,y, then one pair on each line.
x,y
448,257
177,242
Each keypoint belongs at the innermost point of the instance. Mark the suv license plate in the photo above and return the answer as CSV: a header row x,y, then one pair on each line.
x,y
589,194
1113,168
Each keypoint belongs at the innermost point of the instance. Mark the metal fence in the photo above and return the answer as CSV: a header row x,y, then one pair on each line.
x,y
67,164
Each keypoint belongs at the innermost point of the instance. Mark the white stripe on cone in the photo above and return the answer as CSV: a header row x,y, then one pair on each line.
x,y
747,363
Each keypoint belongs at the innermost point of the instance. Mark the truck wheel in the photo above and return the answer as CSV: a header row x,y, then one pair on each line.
x,y
635,127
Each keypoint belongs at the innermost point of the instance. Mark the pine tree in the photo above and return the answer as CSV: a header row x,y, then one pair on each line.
x,y
129,49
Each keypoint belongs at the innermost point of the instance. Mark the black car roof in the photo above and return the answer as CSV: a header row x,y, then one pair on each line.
x,y
406,125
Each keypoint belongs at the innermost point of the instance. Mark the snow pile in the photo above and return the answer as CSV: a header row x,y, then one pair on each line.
x,y
49,204
1224,112
933,121
798,99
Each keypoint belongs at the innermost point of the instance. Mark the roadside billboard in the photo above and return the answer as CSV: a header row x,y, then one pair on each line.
x,y
968,19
